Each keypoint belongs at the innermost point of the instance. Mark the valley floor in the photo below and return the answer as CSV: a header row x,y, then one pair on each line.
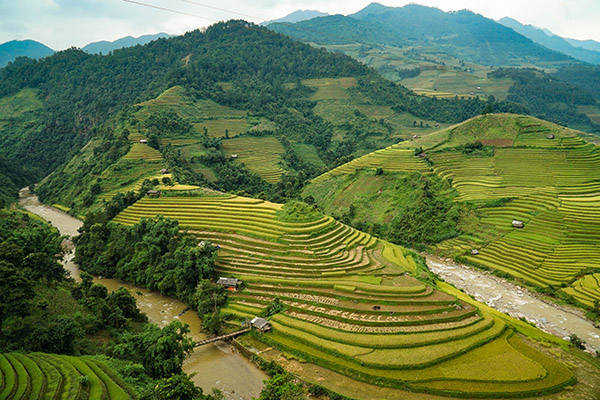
x,y
517,301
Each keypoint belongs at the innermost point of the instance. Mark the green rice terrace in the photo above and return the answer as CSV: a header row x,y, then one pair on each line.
x,y
202,114
261,155
48,376
505,168
352,303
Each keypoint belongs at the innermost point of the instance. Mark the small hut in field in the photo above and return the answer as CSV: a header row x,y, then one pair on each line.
x,y
517,224
153,193
260,324
230,284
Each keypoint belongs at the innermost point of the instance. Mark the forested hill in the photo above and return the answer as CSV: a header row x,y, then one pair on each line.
x,y
54,106
9,51
462,34
78,90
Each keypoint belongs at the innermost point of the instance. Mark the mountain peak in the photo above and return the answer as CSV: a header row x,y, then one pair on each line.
x,y
297,16
105,46
22,48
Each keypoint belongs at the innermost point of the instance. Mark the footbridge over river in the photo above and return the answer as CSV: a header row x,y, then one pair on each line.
x,y
222,337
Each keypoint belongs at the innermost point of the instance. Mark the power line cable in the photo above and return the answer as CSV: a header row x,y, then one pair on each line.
x,y
169,10
222,9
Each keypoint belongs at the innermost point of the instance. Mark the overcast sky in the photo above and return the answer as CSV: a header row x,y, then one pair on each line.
x,y
64,23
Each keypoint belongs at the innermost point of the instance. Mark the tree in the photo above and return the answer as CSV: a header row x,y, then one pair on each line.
x,y
209,297
16,292
489,108
576,341
282,387
177,387
160,350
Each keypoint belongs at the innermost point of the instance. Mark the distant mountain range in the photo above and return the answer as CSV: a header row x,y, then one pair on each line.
x,y
297,16
105,47
462,34
571,47
9,51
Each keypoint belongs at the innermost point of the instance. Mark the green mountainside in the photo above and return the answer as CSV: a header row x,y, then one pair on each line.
x,y
189,158
460,188
551,41
63,101
444,55
9,51
462,34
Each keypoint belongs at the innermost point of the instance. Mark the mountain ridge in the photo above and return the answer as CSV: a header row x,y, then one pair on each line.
x,y
463,34
297,16
552,41
10,50
105,46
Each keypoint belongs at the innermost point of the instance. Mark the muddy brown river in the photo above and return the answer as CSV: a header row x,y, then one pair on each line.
x,y
216,365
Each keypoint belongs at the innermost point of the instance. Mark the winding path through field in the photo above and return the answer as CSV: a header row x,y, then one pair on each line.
x,y
517,301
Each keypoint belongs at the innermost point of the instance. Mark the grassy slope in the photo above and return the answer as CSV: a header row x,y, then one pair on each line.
x,y
340,105
440,72
351,307
550,184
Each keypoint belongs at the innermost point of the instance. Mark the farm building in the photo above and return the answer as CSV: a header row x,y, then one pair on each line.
x,y
550,136
260,324
474,252
234,156
230,284
153,193
144,141
164,171
517,224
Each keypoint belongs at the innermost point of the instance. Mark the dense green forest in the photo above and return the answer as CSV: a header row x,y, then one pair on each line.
x,y
547,97
585,77
152,254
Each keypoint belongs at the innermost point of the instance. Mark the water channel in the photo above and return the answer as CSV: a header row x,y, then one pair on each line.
x,y
214,365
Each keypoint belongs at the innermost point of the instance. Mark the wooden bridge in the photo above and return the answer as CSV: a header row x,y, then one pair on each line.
x,y
222,337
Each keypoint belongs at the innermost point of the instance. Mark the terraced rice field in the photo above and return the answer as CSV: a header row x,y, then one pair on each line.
x,y
556,193
552,185
261,155
586,290
390,159
330,89
352,304
141,151
216,127
128,175
48,376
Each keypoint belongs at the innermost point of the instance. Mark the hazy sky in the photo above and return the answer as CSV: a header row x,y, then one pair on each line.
x,y
64,23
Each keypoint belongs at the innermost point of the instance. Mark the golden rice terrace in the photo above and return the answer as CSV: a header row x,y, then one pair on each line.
x,y
353,305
